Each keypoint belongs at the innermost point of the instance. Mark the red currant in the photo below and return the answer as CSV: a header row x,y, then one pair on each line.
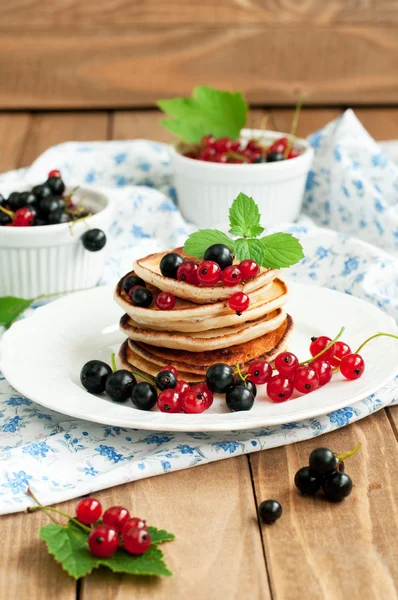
x,y
103,541
209,273
259,372
352,366
341,349
207,154
239,302
221,158
194,401
116,517
279,145
323,369
207,393
249,269
306,379
169,401
188,272
88,510
170,368
208,141
181,387
134,523
165,301
223,144
319,343
136,540
231,276
235,146
54,173
294,153
279,388
253,146
24,217
286,363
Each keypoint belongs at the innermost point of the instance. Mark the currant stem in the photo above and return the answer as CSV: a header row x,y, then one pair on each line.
x,y
243,377
380,334
345,455
9,213
113,362
338,336
293,128
32,508
145,377
232,154
59,512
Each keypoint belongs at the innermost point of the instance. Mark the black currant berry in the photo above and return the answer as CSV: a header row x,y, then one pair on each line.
x,y
94,375
220,254
4,219
170,263
119,385
270,511
94,240
42,191
27,199
247,383
144,396
131,281
13,201
337,486
275,157
219,378
166,380
323,461
47,205
307,482
142,297
56,185
239,398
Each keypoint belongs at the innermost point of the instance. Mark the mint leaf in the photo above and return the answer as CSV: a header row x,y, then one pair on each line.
x,y
159,536
198,242
244,217
250,248
208,111
11,308
149,563
281,250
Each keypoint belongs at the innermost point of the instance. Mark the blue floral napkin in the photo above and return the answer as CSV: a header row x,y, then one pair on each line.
x,y
61,457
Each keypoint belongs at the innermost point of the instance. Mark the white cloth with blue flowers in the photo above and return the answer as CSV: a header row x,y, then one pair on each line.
x,y
351,188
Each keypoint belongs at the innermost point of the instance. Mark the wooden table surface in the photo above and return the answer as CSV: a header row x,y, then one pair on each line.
x,y
316,551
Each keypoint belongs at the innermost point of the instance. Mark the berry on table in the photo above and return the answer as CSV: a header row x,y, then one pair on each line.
x,y
94,375
231,276
275,157
119,385
279,388
286,363
93,240
249,269
337,486
136,540
323,461
144,396
239,302
270,511
306,379
194,401
181,387
141,297
323,369
116,517
239,398
307,482
169,264
166,380
209,273
88,510
220,254
318,344
131,281
352,366
24,217
219,378
259,371
103,541
134,523
170,401
170,368
341,349
165,301
54,173
188,272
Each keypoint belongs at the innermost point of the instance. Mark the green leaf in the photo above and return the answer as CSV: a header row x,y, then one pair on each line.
x,y
198,242
281,250
249,248
68,545
244,217
11,308
208,111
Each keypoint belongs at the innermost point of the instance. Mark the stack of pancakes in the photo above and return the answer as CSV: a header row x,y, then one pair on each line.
x,y
202,329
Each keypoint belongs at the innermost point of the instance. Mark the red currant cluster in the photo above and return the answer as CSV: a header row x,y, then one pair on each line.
x,y
190,399
117,529
307,376
224,150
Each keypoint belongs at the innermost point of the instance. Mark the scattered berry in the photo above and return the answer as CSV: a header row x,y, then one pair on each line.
x,y
169,401
352,366
322,461
165,301
318,344
307,482
209,273
270,511
341,349
279,388
219,378
132,281
249,269
286,363
220,254
141,296
337,486
239,302
94,375
116,517
170,368
166,380
194,401
88,510
93,240
119,385
136,540
231,276
144,396
188,272
259,372
103,541
239,398
306,379
323,370
134,523
169,264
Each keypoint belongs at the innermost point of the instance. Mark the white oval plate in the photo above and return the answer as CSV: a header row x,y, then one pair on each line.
x,y
42,356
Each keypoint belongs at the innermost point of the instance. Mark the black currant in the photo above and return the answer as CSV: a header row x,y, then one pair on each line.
x,y
142,297
247,383
2,200
56,185
27,199
170,263
270,511
275,157
220,254
322,461
13,201
144,396
47,205
4,219
337,486
42,191
260,159
219,378
56,217
165,380
239,398
131,281
119,385
94,240
94,375
40,222
307,482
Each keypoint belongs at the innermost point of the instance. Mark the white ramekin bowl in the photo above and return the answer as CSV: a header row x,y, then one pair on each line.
x,y
49,259
205,190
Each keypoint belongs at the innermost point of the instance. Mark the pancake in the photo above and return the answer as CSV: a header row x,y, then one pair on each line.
x,y
189,317
132,362
149,269
212,339
266,347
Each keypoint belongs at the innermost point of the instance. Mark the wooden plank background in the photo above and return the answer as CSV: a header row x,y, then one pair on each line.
x,y
130,53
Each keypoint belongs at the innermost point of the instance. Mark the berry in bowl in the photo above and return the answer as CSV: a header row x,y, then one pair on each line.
x,y
52,238
217,157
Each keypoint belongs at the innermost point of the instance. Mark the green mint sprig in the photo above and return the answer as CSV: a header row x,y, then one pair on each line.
x,y
275,251
208,111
